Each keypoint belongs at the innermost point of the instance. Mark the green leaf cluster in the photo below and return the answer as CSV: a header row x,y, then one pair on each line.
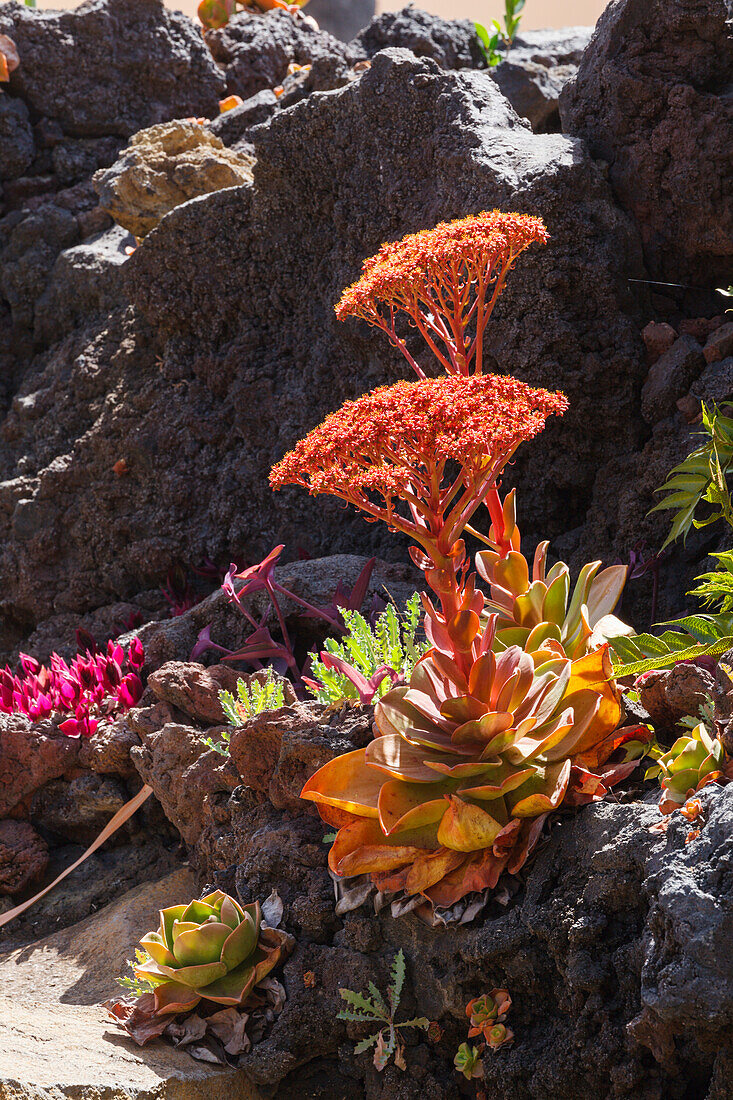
x,y
136,985
392,642
375,1008
702,477
500,38
695,636
253,698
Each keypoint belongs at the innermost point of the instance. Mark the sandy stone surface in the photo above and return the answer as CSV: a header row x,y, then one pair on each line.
x,y
55,1039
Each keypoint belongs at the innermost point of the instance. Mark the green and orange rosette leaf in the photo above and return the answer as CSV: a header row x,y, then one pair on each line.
x,y
694,760
213,949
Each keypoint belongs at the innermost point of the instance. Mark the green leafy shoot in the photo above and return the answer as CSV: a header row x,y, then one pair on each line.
x,y
695,636
136,985
253,698
375,658
374,1009
702,477
715,589
500,38
468,1061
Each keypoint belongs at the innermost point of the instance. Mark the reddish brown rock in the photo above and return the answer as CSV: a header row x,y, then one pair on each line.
x,y
700,327
719,344
194,689
108,752
31,754
671,694
276,752
658,337
184,773
23,856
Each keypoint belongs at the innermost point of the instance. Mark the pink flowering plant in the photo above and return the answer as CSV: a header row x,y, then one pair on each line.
x,y
91,687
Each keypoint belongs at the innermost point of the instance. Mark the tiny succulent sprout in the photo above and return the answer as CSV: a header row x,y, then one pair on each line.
x,y
468,1061
486,1011
498,1036
213,949
9,59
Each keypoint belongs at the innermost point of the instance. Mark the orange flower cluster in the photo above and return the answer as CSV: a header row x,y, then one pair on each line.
x,y
398,438
440,278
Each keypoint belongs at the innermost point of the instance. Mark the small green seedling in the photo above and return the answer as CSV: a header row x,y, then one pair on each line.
x,y
375,1009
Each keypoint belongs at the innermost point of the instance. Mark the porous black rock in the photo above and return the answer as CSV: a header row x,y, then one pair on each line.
x,y
111,66
652,99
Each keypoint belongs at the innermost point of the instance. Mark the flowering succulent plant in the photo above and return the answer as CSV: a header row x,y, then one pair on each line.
x,y
92,686
534,607
491,733
213,949
694,760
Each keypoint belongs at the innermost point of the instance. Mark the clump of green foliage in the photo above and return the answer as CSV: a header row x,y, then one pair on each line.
x,y
702,478
253,698
376,1010
368,661
500,37
137,985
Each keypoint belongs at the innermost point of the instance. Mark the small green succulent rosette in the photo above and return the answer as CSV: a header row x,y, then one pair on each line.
x,y
694,760
213,949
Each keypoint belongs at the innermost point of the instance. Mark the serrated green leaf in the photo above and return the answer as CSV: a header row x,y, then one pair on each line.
x,y
358,1000
357,1017
394,991
418,1021
365,1044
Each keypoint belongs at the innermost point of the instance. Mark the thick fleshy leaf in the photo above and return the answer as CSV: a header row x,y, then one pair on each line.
x,y
481,677
595,672
196,976
233,988
512,573
199,911
485,730
180,926
467,828
556,598
348,783
462,709
605,592
155,946
174,997
231,912
167,919
400,759
431,868
542,793
509,781
463,628
215,899
240,944
362,847
411,805
202,944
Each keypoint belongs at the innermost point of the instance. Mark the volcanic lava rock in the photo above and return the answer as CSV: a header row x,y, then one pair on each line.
x,y
452,43
31,754
255,50
23,856
17,148
111,66
164,166
652,99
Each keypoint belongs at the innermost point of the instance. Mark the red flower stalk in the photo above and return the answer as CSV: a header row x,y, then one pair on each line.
x,y
388,454
447,280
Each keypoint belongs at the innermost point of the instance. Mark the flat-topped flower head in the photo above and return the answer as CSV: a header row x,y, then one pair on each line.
x,y
391,438
440,278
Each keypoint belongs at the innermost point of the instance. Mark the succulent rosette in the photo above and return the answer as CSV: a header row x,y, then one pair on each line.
x,y
466,766
694,760
213,949
535,605
487,1010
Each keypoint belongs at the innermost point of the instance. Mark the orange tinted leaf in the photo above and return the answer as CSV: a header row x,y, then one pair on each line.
x,y
467,828
347,783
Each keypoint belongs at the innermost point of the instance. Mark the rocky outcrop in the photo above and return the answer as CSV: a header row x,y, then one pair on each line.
x,y
452,43
537,68
111,66
161,168
238,369
87,80
23,856
652,99
255,50
31,754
